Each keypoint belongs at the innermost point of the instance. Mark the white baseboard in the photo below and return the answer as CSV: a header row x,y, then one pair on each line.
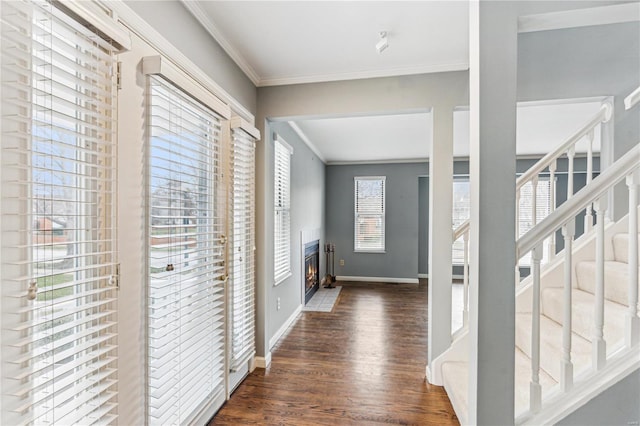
x,y
284,327
379,279
428,374
263,361
455,277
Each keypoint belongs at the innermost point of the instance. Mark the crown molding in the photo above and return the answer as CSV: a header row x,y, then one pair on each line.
x,y
321,78
201,16
307,141
364,162
614,14
149,34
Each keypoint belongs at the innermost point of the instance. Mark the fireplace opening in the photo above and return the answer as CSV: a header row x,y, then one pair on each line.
x,y
311,269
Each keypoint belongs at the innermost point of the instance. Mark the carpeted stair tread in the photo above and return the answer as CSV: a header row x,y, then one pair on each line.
x,y
456,376
616,279
582,314
551,345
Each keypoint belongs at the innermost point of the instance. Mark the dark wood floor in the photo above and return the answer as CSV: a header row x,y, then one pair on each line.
x,y
363,363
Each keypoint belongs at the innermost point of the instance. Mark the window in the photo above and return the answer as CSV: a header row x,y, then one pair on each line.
x,y
242,263
543,208
282,212
186,252
369,214
461,213
59,280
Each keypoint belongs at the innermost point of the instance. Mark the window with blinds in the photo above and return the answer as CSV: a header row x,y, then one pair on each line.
x,y
525,209
58,229
282,212
186,256
369,213
461,212
242,246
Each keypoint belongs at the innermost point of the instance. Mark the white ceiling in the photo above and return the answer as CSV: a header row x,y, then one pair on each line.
x,y
405,137
286,42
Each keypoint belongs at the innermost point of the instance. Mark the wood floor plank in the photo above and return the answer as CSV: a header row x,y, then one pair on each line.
x,y
362,364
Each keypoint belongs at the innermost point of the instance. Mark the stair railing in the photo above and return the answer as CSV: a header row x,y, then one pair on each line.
x,y
595,193
547,164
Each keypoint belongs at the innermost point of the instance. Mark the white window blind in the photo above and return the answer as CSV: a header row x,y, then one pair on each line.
x,y
58,237
369,213
543,208
282,212
461,212
242,263
185,255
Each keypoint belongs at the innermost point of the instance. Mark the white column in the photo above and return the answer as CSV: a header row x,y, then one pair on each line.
x,y
440,232
492,75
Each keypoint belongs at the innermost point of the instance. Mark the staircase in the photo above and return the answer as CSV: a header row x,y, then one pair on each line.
x,y
454,372
577,323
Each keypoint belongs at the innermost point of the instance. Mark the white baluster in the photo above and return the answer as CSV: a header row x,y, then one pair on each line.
x,y
534,200
570,155
535,390
588,219
465,278
566,366
552,201
517,271
598,342
633,321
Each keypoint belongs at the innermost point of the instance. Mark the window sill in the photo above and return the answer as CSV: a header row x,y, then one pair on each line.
x,y
279,280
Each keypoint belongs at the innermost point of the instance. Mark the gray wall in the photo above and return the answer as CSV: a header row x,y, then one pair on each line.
x,y
423,224
180,28
400,259
307,213
599,60
619,405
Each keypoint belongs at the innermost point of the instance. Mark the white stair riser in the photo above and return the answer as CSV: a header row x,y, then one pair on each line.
x,y
616,280
621,247
551,345
582,314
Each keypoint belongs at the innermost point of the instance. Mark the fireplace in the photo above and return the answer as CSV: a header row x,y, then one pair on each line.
x,y
311,269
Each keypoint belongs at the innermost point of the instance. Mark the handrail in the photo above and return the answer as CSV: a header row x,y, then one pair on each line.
x,y
602,116
588,194
632,99
461,229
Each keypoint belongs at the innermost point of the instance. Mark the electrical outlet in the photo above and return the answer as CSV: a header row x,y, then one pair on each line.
x,y
278,304
341,262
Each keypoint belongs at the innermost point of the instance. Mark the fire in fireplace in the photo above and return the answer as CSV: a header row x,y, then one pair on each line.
x,y
311,269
